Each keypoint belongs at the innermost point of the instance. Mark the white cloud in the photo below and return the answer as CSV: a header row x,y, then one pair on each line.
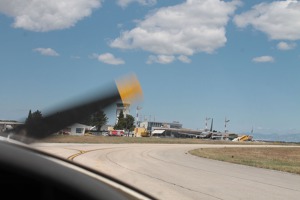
x,y
109,58
262,59
45,15
46,51
162,59
184,29
279,19
286,46
184,59
125,3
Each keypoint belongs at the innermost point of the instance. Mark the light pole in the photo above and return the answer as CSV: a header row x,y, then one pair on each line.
x,y
137,115
226,121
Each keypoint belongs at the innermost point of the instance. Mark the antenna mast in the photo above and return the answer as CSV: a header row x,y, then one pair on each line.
x,y
137,115
226,121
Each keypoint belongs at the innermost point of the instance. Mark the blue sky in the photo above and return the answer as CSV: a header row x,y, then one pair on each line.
x,y
194,59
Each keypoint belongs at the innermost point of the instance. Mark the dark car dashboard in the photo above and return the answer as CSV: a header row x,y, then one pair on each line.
x,y
29,174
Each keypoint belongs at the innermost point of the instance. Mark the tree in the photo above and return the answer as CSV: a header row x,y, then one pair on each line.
x,y
121,122
97,119
129,122
37,115
34,124
33,117
29,117
125,123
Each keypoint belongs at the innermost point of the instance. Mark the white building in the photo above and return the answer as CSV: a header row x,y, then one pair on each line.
x,y
76,129
8,124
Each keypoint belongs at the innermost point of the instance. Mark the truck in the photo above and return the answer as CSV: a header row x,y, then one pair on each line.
x,y
116,133
141,132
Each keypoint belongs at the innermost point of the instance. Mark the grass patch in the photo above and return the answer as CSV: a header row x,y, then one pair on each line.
x,y
151,140
285,159
120,140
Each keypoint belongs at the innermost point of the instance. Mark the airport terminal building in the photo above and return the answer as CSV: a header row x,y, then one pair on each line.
x,y
151,125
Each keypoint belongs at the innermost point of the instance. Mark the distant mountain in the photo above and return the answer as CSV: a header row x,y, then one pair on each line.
x,y
276,137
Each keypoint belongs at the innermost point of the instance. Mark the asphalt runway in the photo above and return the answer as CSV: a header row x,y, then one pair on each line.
x,y
168,171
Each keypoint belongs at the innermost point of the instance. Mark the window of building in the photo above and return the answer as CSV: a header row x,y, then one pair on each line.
x,y
79,130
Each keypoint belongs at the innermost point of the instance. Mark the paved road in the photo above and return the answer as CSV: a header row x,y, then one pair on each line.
x,y
169,172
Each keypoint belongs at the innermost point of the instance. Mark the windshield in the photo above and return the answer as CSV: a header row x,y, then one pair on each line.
x,y
212,73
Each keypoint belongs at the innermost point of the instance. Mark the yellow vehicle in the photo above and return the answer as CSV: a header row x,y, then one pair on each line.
x,y
243,138
141,132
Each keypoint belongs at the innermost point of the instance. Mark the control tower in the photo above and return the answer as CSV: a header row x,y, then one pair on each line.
x,y
122,107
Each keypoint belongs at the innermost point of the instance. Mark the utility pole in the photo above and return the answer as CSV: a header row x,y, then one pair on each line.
x,y
137,115
226,121
211,125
